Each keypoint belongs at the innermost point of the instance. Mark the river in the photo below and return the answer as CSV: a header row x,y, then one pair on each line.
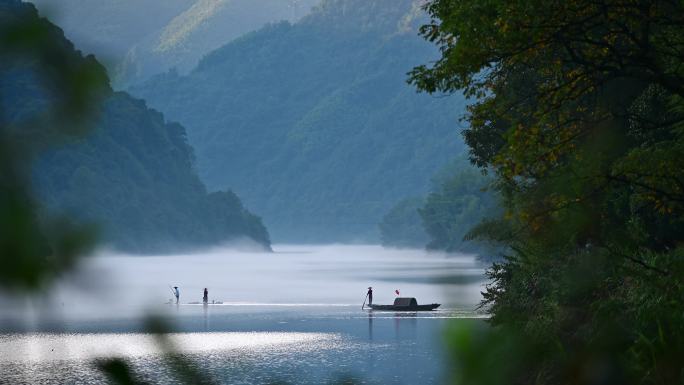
x,y
293,315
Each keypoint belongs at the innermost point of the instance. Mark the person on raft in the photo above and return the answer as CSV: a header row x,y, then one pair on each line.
x,y
205,299
370,295
176,292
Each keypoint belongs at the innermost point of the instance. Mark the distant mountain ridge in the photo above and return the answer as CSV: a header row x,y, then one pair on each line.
x,y
133,175
313,123
147,37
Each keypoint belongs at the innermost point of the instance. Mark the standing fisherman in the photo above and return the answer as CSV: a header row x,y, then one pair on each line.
x,y
370,295
176,292
205,299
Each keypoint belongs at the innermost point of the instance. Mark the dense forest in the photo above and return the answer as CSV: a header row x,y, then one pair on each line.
x,y
402,227
313,123
129,172
455,206
135,46
460,200
579,117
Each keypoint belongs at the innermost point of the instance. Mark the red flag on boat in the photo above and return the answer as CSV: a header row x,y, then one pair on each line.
x,y
397,291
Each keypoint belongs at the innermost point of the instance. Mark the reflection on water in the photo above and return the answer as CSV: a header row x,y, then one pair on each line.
x,y
42,347
370,325
293,316
66,358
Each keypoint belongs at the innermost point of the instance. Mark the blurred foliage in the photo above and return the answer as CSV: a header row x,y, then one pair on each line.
x,y
579,115
35,249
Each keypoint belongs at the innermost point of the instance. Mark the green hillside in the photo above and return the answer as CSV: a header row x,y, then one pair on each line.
x,y
313,123
132,174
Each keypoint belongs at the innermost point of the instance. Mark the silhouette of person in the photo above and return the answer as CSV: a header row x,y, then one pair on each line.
x,y
370,295
176,292
205,299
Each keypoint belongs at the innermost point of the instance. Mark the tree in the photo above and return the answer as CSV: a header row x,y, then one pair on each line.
x,y
454,207
579,114
402,227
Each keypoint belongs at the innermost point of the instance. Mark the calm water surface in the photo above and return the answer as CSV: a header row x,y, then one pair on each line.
x,y
293,315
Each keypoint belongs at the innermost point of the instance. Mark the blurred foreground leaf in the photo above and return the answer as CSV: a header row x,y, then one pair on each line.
x,y
118,371
35,249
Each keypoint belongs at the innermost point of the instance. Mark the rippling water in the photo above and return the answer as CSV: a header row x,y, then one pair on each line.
x,y
294,315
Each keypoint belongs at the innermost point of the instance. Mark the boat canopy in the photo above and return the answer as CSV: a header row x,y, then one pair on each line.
x,y
405,301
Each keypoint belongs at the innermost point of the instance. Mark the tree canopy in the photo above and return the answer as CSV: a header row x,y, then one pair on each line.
x,y
456,205
578,113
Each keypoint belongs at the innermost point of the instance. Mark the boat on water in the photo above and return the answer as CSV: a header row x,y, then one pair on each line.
x,y
405,304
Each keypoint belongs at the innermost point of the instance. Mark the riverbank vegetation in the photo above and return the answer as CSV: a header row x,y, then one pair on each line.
x,y
579,115
459,200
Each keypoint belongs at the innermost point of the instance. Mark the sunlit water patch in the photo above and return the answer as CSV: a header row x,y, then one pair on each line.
x,y
42,347
228,358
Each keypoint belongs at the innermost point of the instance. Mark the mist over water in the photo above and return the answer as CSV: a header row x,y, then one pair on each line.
x,y
116,285
294,312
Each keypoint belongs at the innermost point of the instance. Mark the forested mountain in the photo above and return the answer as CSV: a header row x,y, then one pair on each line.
x,y
201,28
313,123
132,173
137,46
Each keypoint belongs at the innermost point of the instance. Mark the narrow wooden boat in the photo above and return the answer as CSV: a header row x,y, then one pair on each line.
x,y
405,304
